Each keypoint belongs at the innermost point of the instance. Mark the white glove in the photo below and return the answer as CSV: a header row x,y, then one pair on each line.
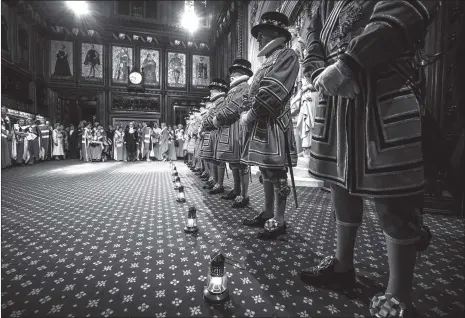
x,y
336,80
215,122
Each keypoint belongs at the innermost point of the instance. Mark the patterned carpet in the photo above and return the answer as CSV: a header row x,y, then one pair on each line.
x,y
106,239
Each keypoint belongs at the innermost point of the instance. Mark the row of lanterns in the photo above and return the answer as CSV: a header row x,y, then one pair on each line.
x,y
216,289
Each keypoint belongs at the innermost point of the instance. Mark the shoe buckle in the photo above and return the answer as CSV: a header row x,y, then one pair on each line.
x,y
326,263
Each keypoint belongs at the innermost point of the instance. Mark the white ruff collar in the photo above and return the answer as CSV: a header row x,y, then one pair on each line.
x,y
239,80
271,46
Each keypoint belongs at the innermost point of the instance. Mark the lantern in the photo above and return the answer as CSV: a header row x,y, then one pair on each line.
x,y
191,222
181,198
177,183
174,171
175,175
216,290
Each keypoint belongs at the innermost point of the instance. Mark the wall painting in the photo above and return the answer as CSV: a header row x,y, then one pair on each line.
x,y
61,60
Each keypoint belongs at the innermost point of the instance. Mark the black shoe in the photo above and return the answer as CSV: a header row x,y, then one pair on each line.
x,y
324,274
217,190
240,202
209,185
231,195
272,232
258,221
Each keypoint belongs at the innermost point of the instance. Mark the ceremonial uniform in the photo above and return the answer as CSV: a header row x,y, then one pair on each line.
x,y
44,141
268,122
210,131
34,143
230,135
366,138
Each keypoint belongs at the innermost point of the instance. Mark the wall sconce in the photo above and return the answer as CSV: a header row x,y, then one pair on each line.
x,y
177,42
202,45
135,37
149,39
189,44
75,31
90,32
122,36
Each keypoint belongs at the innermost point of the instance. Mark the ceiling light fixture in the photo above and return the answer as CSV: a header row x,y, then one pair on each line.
x,y
189,20
78,7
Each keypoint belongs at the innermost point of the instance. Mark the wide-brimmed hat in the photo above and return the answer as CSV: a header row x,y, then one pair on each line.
x,y
241,65
276,21
220,84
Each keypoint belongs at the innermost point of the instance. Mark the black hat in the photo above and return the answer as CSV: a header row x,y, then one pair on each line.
x,y
273,20
204,101
220,84
241,65
195,110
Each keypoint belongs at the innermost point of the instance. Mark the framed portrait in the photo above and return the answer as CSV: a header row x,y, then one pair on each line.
x,y
200,71
176,67
92,62
122,63
61,60
6,31
150,62
23,43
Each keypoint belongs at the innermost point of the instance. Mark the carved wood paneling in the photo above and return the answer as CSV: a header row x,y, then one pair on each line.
x,y
130,103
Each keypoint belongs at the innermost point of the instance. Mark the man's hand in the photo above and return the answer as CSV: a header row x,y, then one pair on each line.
x,y
246,119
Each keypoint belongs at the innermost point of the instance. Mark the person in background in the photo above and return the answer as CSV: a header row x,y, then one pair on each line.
x,y
179,144
34,142
118,141
171,145
110,133
131,140
73,142
6,153
44,140
65,133
155,139
20,142
58,151
164,138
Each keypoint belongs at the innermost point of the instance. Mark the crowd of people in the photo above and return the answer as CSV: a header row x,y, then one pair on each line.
x,y
28,142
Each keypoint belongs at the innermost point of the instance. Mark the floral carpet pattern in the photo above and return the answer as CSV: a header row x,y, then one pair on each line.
x,y
107,239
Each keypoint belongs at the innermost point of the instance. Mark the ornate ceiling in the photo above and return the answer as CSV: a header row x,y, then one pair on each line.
x,y
156,19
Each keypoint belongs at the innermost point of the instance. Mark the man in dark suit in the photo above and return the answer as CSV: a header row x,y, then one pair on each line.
x,y
73,142
110,134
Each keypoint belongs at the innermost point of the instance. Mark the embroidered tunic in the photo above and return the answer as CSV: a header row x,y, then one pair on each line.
x,y
370,145
269,96
229,146
208,151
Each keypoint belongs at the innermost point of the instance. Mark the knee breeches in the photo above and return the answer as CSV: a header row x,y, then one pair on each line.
x,y
400,218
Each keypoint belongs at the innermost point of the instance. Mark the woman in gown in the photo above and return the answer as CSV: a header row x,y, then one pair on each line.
x,y
154,153
164,139
6,153
62,64
180,141
58,143
96,146
131,141
118,141
171,144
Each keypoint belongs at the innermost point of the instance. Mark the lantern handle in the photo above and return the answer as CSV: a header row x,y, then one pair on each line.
x,y
234,262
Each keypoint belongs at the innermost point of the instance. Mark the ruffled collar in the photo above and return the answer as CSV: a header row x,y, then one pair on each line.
x,y
271,46
216,97
239,80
